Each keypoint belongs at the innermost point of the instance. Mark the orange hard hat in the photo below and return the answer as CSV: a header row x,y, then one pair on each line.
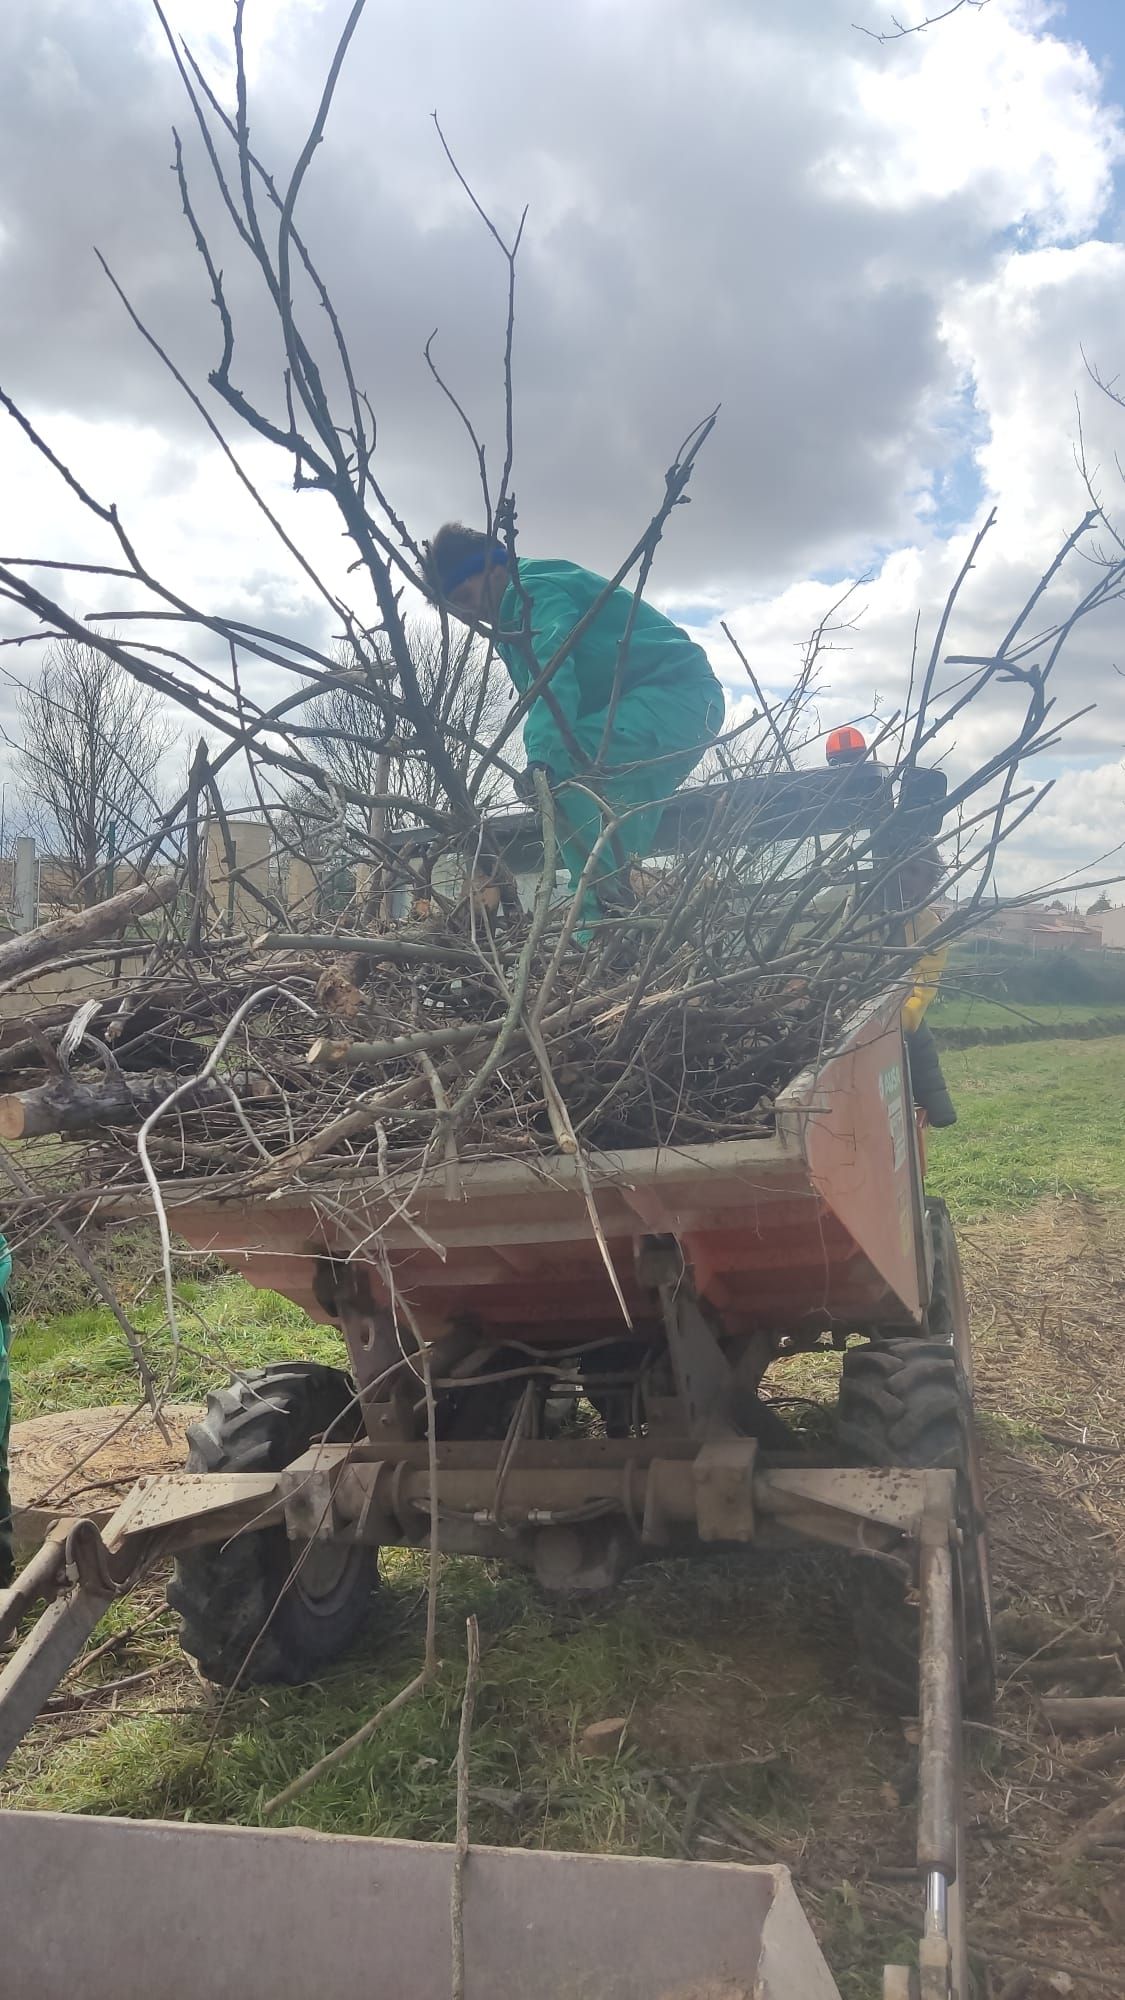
x,y
844,745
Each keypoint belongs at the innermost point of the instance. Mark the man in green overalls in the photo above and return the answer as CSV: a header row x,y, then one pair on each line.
x,y
666,704
7,1559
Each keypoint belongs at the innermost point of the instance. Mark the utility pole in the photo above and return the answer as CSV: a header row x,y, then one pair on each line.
x,y
373,899
24,899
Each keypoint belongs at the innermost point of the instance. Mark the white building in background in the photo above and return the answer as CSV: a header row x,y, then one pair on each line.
x,y
1111,924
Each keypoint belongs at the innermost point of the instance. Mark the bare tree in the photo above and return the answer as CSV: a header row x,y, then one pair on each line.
x,y
364,746
366,750
90,745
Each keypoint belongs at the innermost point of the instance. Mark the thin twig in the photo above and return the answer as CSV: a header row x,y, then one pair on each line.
x,y
461,1838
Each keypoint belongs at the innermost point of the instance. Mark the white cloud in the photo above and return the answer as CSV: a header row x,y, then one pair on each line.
x,y
1077,835
991,109
881,261
1020,337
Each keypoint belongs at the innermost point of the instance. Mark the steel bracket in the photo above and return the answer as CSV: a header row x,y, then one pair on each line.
x,y
703,1376
723,1477
867,1510
185,1501
900,1982
669,1499
310,1507
372,1342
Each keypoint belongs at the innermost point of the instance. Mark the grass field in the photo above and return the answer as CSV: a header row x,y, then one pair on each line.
x,y
734,1677
971,1010
1034,1118
78,1359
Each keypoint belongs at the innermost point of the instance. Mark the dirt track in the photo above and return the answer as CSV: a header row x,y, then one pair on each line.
x,y
1048,1297
1047,1291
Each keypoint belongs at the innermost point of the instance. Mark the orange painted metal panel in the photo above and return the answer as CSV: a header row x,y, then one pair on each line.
x,y
818,1225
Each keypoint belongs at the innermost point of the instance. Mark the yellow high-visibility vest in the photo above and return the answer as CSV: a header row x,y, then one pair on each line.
x,y
927,972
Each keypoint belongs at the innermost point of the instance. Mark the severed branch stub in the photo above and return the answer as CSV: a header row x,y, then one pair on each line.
x,y
68,1107
51,940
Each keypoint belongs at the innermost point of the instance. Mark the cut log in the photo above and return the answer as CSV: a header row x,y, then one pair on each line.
x,y
32,948
326,1053
64,1106
1095,1711
28,1053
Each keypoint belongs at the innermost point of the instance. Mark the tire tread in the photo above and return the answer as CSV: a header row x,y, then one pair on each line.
x,y
225,1592
907,1402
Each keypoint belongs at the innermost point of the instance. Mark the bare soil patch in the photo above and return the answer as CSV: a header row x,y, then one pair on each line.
x,y
1047,1289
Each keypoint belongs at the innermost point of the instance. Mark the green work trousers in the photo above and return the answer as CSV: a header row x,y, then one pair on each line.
x,y
659,735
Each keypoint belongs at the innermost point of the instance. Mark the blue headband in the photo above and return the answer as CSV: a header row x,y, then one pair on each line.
x,y
492,557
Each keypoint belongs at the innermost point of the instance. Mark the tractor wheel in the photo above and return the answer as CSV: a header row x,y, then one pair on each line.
x,y
246,1616
909,1402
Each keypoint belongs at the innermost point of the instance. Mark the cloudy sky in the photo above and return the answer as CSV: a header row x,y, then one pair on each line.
x,y
883,260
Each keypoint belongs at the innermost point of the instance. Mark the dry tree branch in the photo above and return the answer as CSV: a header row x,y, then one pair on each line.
x,y
939,637
509,251
351,1743
33,949
169,1103
784,751
897,32
461,1837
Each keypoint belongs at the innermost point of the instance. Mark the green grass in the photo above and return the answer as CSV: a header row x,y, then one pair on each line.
x,y
672,1640
968,1010
717,1665
73,1360
1034,1119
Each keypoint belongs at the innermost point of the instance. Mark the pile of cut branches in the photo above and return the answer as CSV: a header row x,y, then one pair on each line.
x,y
474,1026
397,1022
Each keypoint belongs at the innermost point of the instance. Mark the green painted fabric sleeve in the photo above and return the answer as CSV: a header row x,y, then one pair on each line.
x,y
659,654
553,616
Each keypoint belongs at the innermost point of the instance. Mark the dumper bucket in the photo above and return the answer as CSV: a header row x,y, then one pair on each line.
x,y
114,1909
819,1223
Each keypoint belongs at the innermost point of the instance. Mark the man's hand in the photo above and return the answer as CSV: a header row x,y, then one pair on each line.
x,y
525,782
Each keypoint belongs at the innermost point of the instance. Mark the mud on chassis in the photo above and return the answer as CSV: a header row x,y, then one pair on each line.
x,y
731,1257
